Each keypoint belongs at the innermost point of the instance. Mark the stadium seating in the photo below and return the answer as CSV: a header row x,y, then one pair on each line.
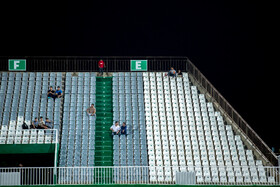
x,y
24,98
185,130
171,127
78,130
128,106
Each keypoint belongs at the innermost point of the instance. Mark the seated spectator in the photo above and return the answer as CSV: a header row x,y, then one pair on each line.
x,y
123,128
58,93
41,124
48,123
24,125
115,128
91,110
179,74
51,92
34,124
172,72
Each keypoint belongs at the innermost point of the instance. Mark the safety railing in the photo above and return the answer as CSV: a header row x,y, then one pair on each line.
x,y
231,112
26,176
225,175
90,63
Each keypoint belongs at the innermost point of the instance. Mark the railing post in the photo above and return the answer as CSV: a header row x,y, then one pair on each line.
x,y
55,158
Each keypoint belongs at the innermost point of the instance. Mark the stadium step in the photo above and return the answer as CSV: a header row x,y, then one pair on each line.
x,y
103,104
98,119
103,143
103,163
104,124
102,158
103,90
104,112
102,127
104,120
104,153
104,97
103,134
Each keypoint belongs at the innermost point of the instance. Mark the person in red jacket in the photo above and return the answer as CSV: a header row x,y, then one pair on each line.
x,y
101,66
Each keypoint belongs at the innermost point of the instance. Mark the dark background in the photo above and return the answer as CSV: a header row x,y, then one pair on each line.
x,y
234,44
27,160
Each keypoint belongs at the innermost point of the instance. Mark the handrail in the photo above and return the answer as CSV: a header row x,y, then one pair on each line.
x,y
90,63
232,113
160,175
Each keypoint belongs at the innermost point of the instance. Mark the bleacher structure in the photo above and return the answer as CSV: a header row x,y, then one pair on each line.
x,y
184,130
171,127
78,129
23,97
128,106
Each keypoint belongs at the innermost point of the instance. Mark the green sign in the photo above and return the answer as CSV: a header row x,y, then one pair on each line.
x,y
17,65
138,65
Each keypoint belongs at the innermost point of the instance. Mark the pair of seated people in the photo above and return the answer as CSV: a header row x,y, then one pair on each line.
x,y
117,130
54,93
41,124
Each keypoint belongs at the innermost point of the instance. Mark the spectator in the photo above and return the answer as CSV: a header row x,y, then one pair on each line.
x,y
34,124
42,124
24,125
58,93
123,128
101,66
48,123
179,74
172,72
115,128
51,92
91,110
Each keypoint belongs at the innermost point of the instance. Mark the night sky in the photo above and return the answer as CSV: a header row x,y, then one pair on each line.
x,y
234,44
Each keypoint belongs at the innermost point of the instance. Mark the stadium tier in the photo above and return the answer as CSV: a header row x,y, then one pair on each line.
x,y
78,130
128,102
183,129
171,127
23,97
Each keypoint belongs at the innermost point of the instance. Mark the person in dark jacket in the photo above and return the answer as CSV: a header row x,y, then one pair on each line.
x,y
51,92
123,128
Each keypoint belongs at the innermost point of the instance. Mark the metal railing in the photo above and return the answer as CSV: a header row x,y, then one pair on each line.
x,y
90,63
232,113
26,176
226,175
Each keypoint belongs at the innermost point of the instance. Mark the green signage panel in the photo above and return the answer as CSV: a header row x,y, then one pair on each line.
x,y
17,65
138,65
27,148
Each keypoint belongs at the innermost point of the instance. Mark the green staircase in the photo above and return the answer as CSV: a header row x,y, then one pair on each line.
x,y
104,120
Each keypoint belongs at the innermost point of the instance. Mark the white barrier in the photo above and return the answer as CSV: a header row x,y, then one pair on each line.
x,y
141,175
